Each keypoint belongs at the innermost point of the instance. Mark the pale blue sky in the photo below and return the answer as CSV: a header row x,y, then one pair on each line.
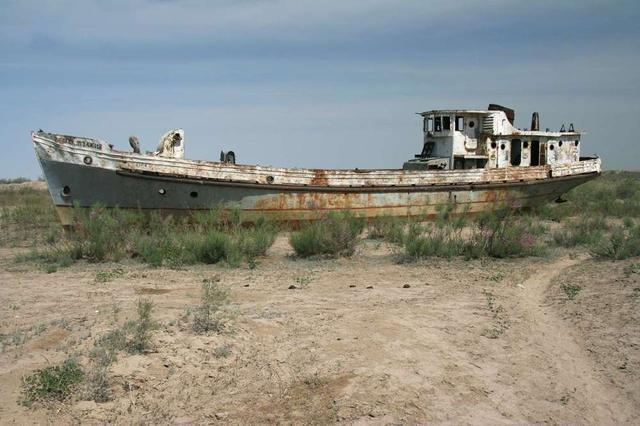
x,y
312,83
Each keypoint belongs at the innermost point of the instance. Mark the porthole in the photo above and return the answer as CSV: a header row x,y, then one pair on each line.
x,y
525,144
560,143
551,147
194,194
269,179
577,143
471,124
493,145
66,190
162,191
87,160
502,146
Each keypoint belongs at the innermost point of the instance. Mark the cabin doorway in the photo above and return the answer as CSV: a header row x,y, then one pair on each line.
x,y
543,153
535,153
516,152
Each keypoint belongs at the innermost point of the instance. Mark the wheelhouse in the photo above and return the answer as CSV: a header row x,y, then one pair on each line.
x,y
479,139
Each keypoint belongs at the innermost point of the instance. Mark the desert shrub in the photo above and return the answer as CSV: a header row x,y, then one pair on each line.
x,y
102,356
555,212
170,248
141,328
581,231
210,248
101,233
433,241
186,246
387,228
207,314
336,235
222,351
255,241
52,383
52,257
97,384
134,336
441,238
207,219
571,290
108,346
501,233
622,243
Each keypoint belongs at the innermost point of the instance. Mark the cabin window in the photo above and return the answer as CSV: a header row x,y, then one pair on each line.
x,y
560,143
471,124
459,122
428,124
576,143
446,122
437,124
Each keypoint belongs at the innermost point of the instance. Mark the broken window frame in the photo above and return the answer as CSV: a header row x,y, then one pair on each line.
x,y
437,124
446,122
459,123
427,125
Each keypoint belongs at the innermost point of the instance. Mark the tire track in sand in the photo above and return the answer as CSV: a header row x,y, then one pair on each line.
x,y
565,364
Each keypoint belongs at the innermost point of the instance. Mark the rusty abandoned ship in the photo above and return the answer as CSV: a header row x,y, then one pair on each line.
x,y
474,159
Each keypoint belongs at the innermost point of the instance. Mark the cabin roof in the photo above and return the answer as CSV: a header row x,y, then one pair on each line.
x,y
454,111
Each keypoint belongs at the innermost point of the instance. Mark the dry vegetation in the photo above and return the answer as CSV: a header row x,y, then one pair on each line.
x,y
506,318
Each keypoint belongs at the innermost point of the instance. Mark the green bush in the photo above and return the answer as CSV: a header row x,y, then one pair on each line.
x,y
207,314
581,231
101,233
210,248
336,235
501,233
169,248
52,383
183,244
433,240
140,329
622,243
387,228
255,241
52,257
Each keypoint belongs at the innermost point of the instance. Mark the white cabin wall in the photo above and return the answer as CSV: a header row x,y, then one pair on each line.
x,y
492,152
503,152
552,144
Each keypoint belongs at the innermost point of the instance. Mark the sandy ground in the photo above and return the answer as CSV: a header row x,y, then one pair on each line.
x,y
359,341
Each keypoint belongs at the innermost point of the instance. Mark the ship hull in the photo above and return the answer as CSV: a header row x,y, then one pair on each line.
x,y
112,181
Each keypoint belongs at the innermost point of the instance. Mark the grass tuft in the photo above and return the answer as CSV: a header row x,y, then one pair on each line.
x,y
207,314
335,235
52,383
622,243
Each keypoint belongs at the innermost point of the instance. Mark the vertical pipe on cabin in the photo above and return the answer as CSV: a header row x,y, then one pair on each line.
x,y
535,122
